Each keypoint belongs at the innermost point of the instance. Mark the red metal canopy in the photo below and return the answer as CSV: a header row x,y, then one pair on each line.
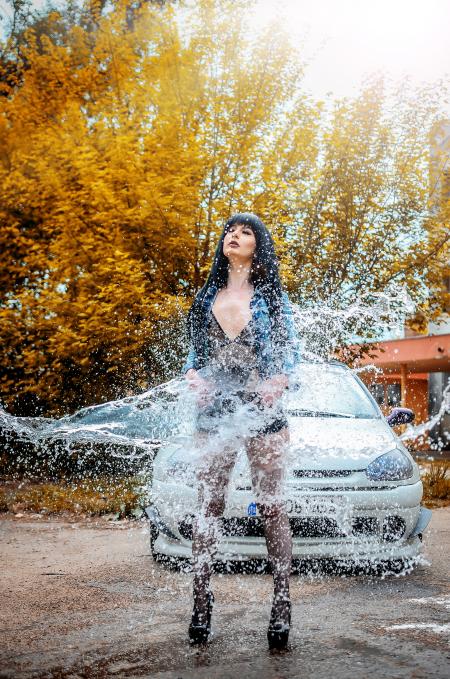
x,y
417,354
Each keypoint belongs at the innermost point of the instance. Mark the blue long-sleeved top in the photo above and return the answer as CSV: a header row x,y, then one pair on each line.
x,y
268,365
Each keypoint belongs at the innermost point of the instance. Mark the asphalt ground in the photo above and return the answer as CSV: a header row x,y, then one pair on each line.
x,y
85,599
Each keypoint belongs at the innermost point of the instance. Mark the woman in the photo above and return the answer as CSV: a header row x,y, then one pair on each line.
x,y
241,329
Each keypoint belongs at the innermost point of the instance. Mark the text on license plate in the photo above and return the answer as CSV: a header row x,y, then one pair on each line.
x,y
312,505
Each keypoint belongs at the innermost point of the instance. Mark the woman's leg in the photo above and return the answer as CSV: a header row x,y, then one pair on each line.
x,y
267,459
213,477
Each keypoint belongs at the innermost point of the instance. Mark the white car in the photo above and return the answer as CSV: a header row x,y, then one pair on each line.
x,y
353,490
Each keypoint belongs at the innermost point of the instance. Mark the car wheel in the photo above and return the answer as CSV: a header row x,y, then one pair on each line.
x,y
173,563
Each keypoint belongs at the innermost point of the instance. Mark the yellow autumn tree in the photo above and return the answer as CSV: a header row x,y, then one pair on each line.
x,y
123,152
129,132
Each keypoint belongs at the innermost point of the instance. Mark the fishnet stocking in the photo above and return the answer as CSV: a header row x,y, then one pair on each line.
x,y
279,548
213,481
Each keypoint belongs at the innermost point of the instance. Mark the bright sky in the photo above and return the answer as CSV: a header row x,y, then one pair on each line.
x,y
347,39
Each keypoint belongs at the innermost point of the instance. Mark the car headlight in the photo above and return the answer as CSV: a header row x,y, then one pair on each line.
x,y
392,466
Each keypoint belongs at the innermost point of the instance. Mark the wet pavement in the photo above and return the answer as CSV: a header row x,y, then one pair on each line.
x,y
86,599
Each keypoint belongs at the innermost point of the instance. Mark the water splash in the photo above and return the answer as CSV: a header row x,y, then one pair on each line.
x,y
420,432
325,327
136,426
335,430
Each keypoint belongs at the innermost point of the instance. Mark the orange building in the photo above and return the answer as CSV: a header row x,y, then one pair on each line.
x,y
409,369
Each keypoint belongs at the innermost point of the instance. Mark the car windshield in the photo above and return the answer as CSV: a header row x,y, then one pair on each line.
x,y
325,390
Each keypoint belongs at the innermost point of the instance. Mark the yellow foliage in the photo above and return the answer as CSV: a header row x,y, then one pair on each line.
x,y
128,138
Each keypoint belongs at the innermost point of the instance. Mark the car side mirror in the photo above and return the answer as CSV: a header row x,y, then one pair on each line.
x,y
400,416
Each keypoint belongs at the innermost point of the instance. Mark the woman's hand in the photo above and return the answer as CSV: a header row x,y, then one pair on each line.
x,y
272,389
202,388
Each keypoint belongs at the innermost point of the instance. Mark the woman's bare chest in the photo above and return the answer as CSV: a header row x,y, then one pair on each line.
x,y
232,311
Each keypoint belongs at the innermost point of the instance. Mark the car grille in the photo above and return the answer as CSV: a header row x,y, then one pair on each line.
x,y
321,473
308,527
393,528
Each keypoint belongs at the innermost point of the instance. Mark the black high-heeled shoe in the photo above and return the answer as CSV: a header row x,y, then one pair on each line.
x,y
278,632
199,632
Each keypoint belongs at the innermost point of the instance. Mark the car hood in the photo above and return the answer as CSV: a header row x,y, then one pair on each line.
x,y
338,443
316,443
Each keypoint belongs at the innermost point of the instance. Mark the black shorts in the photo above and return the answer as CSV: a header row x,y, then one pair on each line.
x,y
209,417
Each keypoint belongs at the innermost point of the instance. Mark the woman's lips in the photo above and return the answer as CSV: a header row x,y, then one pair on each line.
x,y
234,245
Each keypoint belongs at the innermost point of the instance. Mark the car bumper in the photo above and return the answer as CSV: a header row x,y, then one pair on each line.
x,y
255,548
375,507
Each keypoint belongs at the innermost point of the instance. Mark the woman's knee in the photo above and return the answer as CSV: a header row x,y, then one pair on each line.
x,y
215,507
267,480
211,501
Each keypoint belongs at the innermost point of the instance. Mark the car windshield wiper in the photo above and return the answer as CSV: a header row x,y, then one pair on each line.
x,y
303,412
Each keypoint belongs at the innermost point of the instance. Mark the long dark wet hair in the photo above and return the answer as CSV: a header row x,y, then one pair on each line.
x,y
264,275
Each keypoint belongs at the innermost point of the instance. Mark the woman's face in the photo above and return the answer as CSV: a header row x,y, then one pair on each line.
x,y
239,242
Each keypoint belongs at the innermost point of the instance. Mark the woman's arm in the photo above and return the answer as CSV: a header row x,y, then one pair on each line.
x,y
203,388
191,361
273,387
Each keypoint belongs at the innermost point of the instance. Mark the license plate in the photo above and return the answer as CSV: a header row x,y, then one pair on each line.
x,y
312,505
